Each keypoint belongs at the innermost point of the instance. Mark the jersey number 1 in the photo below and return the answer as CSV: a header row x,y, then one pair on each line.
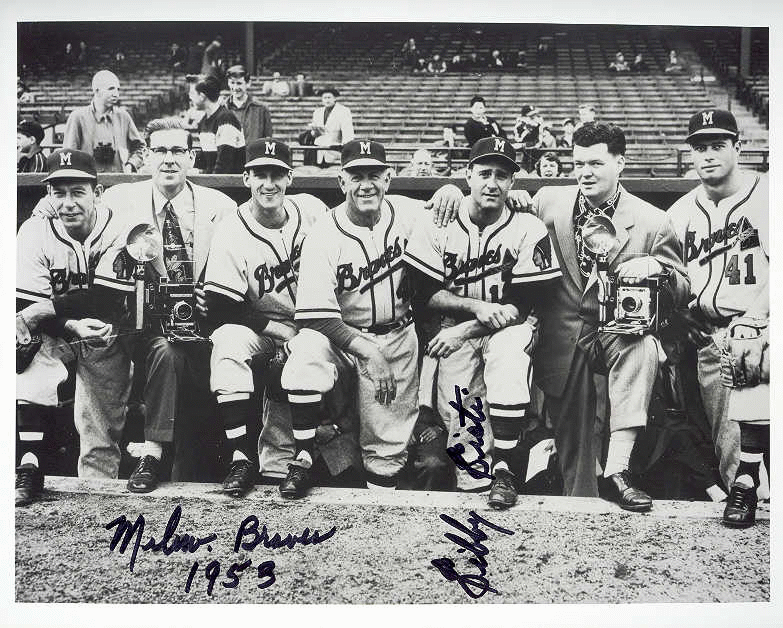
x,y
733,270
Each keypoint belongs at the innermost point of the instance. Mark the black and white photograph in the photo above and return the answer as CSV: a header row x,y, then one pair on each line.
x,y
392,309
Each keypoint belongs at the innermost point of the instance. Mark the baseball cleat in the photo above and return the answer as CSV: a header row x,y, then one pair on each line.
x,y
29,484
239,479
617,488
503,491
145,476
740,511
296,483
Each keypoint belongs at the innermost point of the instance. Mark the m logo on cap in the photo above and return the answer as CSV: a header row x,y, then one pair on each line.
x,y
500,145
269,148
65,159
706,118
364,148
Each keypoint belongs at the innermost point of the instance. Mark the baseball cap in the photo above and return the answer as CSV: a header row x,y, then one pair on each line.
x,y
494,147
237,71
358,153
67,163
32,129
712,122
268,152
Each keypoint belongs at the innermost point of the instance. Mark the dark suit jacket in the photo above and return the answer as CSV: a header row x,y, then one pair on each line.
x,y
571,312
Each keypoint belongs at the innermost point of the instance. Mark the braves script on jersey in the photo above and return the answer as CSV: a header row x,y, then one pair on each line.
x,y
726,246
250,262
356,273
51,263
479,264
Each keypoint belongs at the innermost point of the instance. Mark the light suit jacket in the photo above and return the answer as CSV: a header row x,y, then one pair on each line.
x,y
338,130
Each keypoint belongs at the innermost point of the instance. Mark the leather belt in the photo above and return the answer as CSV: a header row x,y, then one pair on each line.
x,y
385,328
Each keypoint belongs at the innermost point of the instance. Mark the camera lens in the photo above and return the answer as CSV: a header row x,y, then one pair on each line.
x,y
631,304
182,311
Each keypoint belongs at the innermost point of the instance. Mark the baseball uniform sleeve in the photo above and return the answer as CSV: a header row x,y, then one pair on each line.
x,y
316,295
32,270
667,249
535,261
226,272
425,249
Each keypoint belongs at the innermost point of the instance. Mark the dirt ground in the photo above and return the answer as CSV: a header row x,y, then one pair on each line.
x,y
381,553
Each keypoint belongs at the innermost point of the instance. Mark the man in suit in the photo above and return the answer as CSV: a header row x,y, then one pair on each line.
x,y
175,373
332,125
570,349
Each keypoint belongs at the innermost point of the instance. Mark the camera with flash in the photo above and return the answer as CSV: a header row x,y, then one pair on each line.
x,y
162,306
625,307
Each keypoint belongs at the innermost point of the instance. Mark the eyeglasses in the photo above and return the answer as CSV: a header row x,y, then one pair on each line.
x,y
176,151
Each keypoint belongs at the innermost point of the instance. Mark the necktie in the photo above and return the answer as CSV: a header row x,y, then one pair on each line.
x,y
175,256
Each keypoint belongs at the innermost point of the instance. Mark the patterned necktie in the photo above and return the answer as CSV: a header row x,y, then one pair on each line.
x,y
582,213
175,255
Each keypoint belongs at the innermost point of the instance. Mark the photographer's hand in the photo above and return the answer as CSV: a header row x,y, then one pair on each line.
x,y
638,269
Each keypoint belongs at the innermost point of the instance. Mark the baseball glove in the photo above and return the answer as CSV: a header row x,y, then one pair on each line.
x,y
745,354
272,374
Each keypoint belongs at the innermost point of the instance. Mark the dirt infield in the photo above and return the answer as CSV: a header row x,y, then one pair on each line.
x,y
561,550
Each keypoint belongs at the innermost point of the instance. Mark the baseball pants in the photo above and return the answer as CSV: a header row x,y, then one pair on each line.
x,y
632,364
384,431
103,382
497,370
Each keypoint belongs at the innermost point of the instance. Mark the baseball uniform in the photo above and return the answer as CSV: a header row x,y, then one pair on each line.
x,y
726,251
356,274
483,265
49,264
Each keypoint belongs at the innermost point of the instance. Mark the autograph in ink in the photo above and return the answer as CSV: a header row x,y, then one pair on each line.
x,y
478,468
247,538
475,585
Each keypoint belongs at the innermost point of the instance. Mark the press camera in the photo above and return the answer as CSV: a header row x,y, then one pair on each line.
x,y
164,307
625,307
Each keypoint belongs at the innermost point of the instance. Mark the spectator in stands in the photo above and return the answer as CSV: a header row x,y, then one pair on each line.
x,y
410,53
495,60
544,51
420,165
527,126
29,157
210,60
674,63
547,141
521,60
566,140
276,87
220,133
586,114
83,54
195,57
332,125
300,88
436,65
254,117
639,65
549,166
619,64
480,125
177,58
69,57
23,97
473,62
457,64
105,130
449,140
420,67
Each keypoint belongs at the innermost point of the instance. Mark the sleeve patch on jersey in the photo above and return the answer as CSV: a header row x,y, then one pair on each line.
x,y
123,265
542,253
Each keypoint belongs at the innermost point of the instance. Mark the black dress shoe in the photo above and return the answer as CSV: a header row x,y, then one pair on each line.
x,y
29,484
503,491
240,478
296,483
740,511
145,476
618,489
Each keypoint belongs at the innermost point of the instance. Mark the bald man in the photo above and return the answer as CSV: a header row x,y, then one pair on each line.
x,y
105,130
420,165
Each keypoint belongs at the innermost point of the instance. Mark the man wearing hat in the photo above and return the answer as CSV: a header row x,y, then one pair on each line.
x,y
723,226
252,115
353,310
29,158
570,348
332,125
251,286
482,273
56,259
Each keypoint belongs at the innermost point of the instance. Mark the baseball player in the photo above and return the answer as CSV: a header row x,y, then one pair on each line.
x,y
353,308
482,273
250,284
723,225
58,257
